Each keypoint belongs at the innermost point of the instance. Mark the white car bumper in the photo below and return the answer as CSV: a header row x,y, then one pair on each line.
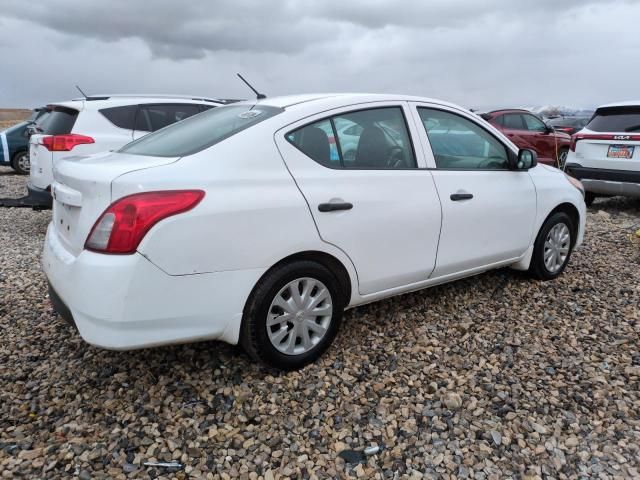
x,y
125,302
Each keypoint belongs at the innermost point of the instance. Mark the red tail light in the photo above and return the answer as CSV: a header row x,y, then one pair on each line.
x,y
123,225
65,143
598,136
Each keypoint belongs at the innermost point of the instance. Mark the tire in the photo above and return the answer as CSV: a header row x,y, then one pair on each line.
x,y
560,224
562,157
589,198
272,343
20,162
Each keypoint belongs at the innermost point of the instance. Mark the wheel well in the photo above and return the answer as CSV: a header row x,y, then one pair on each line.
x,y
329,261
18,152
573,214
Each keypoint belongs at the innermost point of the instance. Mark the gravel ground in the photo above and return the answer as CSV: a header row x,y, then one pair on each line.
x,y
490,377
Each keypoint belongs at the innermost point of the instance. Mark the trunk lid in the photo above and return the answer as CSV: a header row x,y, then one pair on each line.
x,y
82,191
615,151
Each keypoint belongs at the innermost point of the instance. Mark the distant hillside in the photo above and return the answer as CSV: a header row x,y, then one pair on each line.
x,y
11,116
560,110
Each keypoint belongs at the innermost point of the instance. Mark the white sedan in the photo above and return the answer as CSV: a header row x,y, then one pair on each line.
x,y
248,224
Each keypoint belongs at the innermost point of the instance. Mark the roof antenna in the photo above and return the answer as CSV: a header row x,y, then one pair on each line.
x,y
80,90
259,95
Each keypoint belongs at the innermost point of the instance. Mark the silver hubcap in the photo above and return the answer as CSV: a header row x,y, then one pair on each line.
x,y
23,162
562,157
299,316
556,247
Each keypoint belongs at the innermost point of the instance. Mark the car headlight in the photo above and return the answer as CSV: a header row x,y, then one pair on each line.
x,y
576,183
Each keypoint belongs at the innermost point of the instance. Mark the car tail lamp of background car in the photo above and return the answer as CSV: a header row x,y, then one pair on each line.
x,y
121,228
65,143
595,136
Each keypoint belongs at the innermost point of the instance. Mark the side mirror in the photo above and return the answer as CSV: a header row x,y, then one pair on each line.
x,y
549,129
526,159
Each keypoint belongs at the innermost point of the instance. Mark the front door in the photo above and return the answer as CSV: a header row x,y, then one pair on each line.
x,y
488,210
368,191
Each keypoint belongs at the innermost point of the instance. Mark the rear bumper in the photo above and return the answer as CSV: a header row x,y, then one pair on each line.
x,y
606,181
39,197
124,302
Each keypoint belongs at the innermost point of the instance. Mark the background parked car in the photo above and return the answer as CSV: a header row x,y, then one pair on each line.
x,y
527,130
605,155
240,225
99,123
14,143
568,125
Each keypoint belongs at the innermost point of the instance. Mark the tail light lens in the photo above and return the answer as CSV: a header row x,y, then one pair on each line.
x,y
65,143
121,228
595,136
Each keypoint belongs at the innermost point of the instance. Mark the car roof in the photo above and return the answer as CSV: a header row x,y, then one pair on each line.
x,y
505,110
628,103
108,100
334,100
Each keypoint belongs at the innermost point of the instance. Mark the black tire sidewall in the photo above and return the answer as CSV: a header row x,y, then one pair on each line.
x,y
538,268
254,335
589,198
14,163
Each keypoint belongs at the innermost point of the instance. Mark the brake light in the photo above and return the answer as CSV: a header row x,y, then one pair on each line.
x,y
596,136
123,225
65,143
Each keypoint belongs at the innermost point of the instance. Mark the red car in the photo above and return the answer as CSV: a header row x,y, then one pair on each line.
x,y
527,130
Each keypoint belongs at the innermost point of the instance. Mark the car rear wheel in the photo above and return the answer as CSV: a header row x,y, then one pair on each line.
x,y
293,315
553,246
20,163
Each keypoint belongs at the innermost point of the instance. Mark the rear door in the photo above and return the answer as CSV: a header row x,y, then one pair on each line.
x,y
488,210
368,191
152,117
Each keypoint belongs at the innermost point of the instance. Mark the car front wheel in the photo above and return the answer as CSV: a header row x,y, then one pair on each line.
x,y
292,315
553,246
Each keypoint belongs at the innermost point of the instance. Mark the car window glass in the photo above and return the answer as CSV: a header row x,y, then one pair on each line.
x,y
534,124
375,138
616,119
122,117
459,143
513,121
317,142
154,117
200,131
366,139
59,121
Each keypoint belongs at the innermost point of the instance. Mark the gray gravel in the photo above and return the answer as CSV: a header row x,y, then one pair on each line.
x,y
490,377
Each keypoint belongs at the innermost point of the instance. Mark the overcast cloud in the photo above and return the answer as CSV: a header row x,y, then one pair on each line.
x,y
476,53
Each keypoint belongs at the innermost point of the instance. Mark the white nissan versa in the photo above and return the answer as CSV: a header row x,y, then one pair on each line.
x,y
248,223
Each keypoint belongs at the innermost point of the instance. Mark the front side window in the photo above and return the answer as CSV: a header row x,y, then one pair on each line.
x,y
372,139
534,124
460,144
200,131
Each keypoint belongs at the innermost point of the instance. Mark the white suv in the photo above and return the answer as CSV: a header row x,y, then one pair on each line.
x,y
605,155
97,124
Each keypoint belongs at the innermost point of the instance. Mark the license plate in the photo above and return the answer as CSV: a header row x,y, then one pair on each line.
x,y
620,151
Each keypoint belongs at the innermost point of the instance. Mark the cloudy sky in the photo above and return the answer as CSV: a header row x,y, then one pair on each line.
x,y
476,53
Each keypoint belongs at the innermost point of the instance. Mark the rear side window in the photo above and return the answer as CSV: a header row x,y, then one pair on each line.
x,y
371,139
616,119
154,117
59,121
123,117
201,131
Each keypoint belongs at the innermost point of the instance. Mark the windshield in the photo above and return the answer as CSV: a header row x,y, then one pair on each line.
x,y
616,119
200,131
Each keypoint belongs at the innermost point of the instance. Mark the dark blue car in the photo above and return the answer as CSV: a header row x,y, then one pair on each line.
x,y
14,143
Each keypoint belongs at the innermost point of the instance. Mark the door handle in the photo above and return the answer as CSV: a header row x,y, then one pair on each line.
x,y
332,207
456,197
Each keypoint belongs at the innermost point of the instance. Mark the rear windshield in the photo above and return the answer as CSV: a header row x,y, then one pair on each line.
x,y
200,131
616,119
59,121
